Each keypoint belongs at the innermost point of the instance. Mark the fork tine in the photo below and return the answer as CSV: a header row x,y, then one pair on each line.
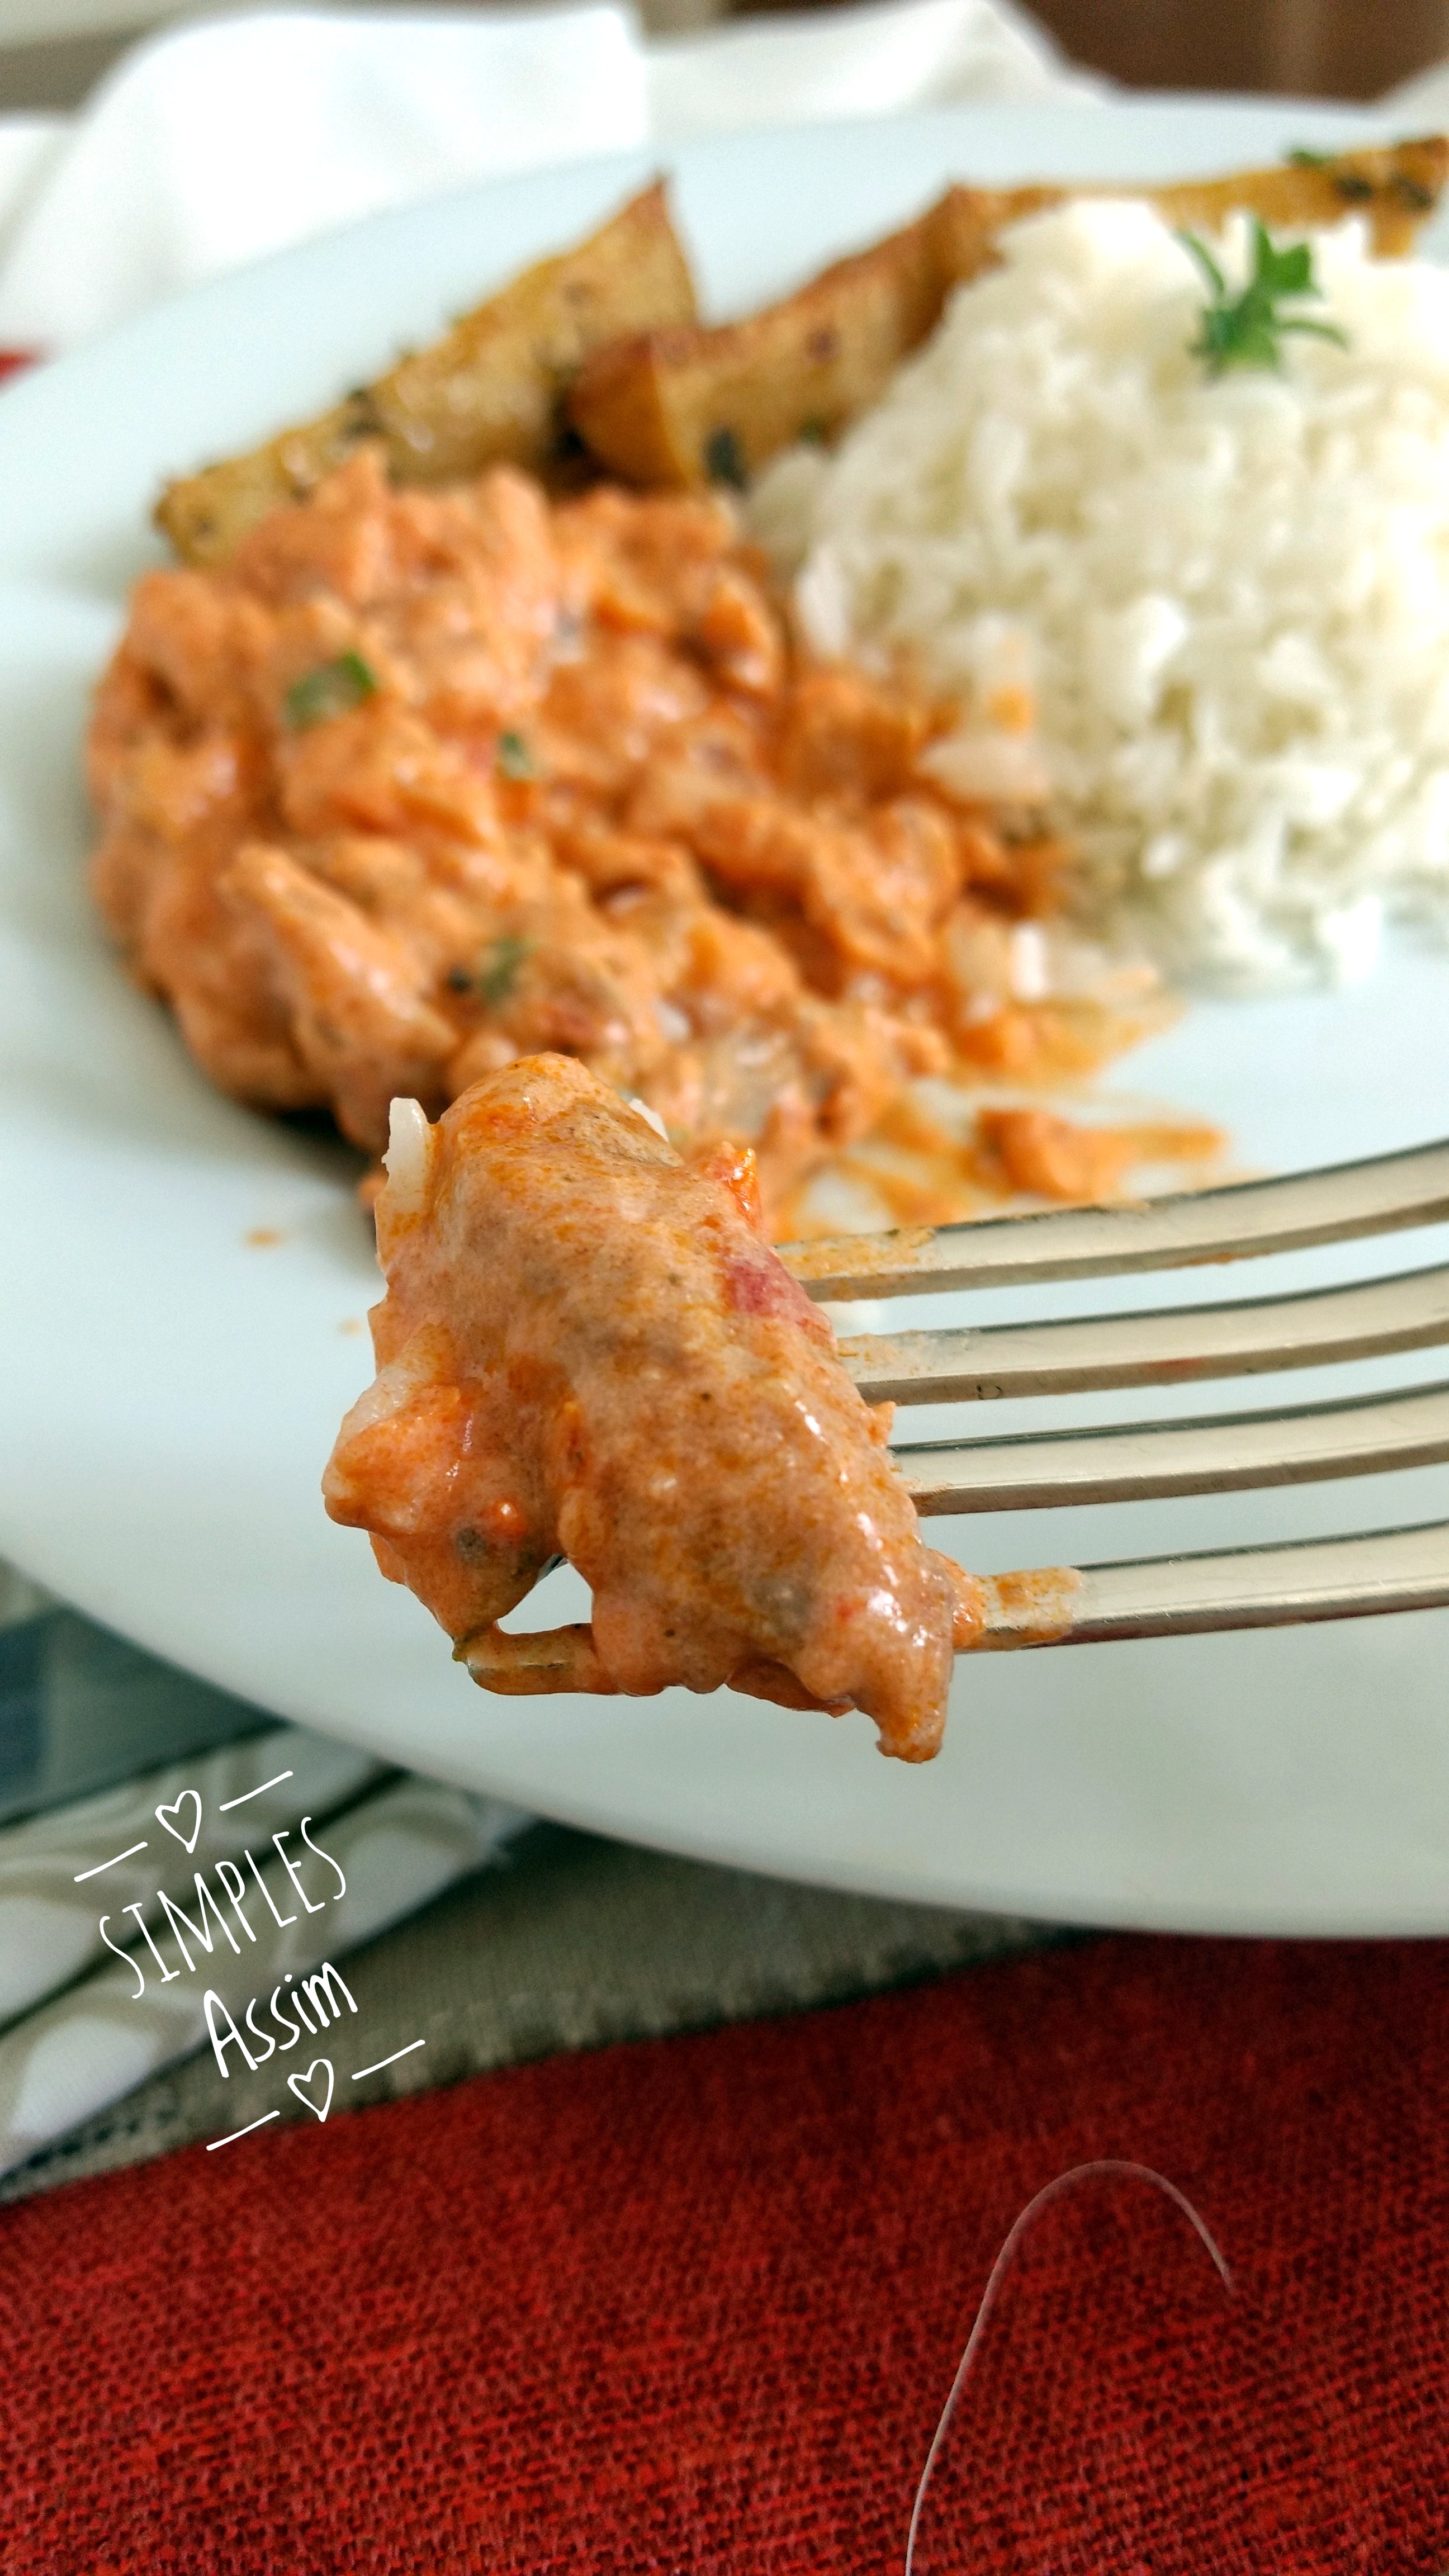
x,y
1252,1217
1166,1345
1222,1454
1252,1587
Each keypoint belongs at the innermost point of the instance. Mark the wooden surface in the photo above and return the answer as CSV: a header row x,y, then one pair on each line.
x,y
1310,48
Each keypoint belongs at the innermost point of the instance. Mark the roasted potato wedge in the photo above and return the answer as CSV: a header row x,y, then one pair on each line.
x,y
686,406
487,393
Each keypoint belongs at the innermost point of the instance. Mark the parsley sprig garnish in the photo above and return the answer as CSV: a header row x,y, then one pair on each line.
x,y
1248,330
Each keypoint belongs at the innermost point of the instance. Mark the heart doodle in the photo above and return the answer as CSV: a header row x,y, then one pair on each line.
x,y
299,2084
165,1814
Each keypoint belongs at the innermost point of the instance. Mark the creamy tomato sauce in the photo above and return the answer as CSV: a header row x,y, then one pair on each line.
x,y
420,783
588,1347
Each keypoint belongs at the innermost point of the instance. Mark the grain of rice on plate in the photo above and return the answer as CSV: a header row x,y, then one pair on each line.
x,y
1229,598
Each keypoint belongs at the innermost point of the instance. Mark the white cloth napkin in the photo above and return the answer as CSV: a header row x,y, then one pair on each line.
x,y
228,139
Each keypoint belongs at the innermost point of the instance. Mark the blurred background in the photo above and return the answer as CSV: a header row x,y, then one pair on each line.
x,y
1306,48
52,51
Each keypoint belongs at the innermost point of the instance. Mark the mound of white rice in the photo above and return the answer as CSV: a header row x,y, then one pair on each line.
x,y
1229,598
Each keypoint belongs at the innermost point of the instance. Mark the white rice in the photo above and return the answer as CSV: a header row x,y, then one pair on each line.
x,y
1230,598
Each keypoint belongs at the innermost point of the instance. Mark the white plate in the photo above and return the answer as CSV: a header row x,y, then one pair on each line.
x,y
169,1392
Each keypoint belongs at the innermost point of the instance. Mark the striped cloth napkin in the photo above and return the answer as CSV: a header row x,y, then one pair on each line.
x,y
189,1907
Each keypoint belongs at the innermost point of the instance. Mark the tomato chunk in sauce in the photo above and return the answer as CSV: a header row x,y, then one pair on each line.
x,y
588,1348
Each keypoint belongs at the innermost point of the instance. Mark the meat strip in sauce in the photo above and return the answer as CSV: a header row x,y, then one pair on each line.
x,y
587,1347
420,782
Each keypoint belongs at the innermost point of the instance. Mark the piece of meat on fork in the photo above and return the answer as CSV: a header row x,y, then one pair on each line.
x,y
588,1348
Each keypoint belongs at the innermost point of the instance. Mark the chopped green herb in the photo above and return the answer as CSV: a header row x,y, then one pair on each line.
x,y
363,419
1355,191
1247,330
724,459
513,758
333,689
812,433
1301,160
568,446
1417,197
498,968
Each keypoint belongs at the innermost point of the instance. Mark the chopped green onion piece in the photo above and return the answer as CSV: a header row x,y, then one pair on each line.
x,y
513,757
724,459
333,689
498,967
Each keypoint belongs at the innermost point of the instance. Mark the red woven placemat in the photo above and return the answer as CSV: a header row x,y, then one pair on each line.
x,y
695,2305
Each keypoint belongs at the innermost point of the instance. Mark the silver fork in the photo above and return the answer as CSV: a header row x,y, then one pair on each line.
x,y
1255,1587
